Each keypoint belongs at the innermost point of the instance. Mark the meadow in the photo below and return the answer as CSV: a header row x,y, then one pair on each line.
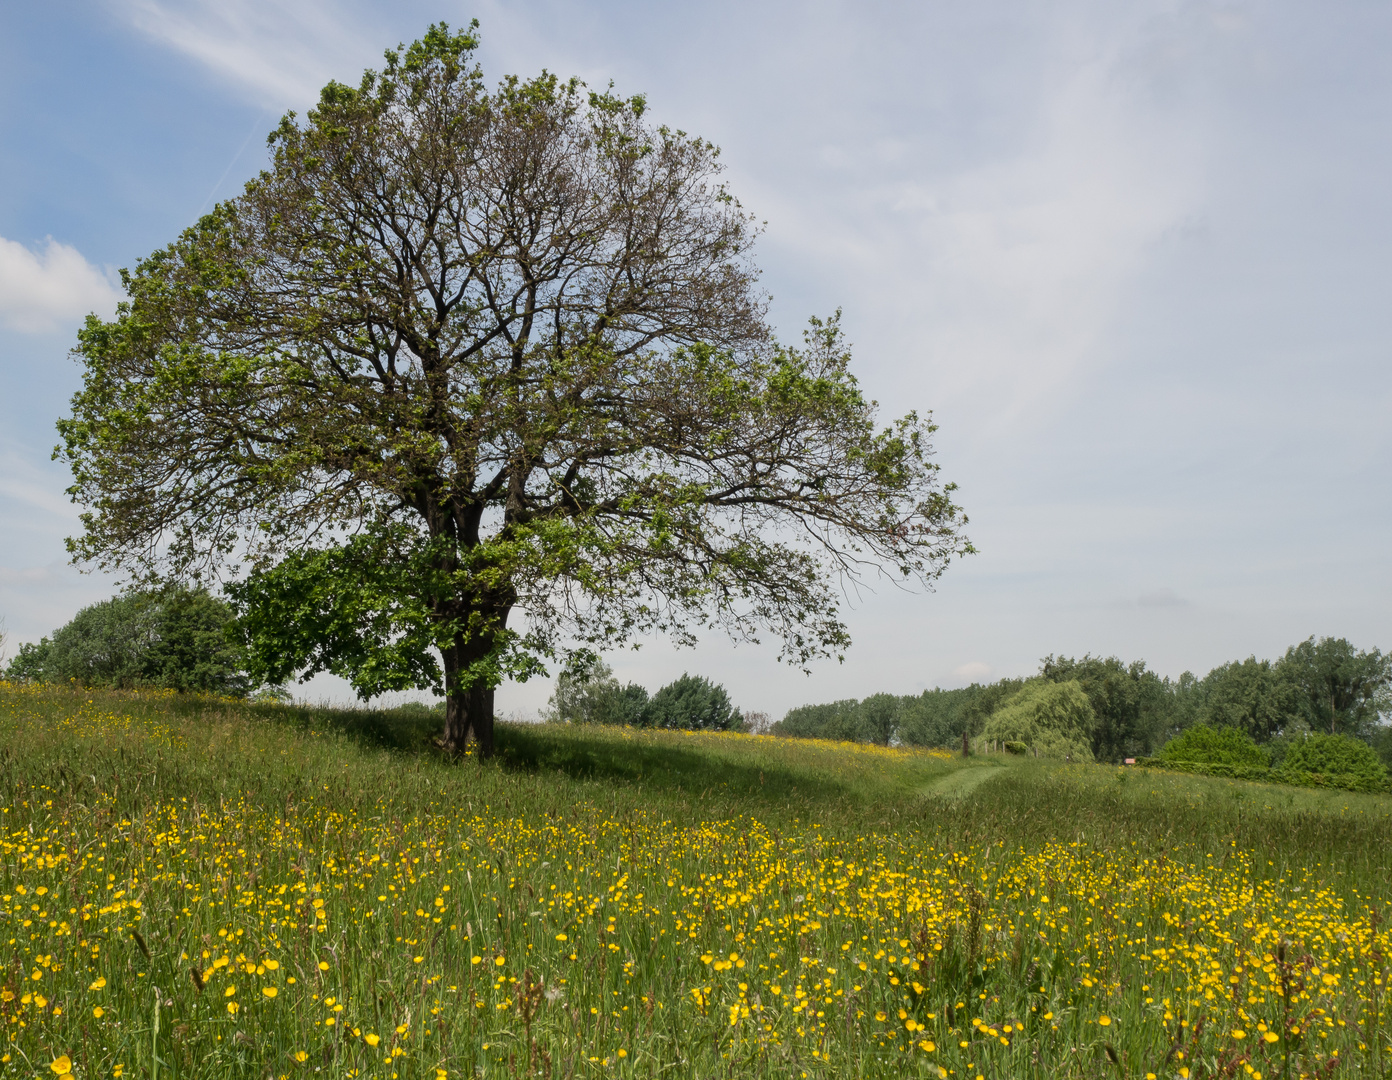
x,y
194,887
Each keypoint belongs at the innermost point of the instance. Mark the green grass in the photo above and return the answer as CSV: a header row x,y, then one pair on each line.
x,y
614,872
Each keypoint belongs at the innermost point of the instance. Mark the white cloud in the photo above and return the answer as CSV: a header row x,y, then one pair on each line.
x,y
42,290
985,272
35,496
1008,274
976,671
283,54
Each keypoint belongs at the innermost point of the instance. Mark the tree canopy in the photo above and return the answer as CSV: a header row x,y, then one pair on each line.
x,y
587,693
1128,700
1340,689
1053,719
693,703
174,638
461,352
1251,695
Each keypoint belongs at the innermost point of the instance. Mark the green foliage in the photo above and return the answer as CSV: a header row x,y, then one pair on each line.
x,y
370,611
1314,761
176,638
1221,769
1341,689
1051,719
1185,706
979,703
587,693
933,718
1138,711
621,706
1211,745
1381,741
879,718
836,720
1250,696
1336,756
1130,702
692,703
1293,734
939,717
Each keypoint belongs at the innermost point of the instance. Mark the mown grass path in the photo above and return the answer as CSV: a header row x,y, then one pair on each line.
x,y
962,781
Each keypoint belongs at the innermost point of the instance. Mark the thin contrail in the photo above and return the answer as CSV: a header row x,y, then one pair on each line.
x,y
255,124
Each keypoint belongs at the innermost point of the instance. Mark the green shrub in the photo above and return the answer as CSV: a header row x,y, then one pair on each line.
x,y
1016,748
619,706
1214,768
693,703
1208,745
1053,720
174,637
587,693
1337,761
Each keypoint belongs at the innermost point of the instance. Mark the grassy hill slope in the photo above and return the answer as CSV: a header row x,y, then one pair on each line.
x,y
201,888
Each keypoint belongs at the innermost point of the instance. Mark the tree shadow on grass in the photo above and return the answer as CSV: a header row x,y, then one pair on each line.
x,y
598,756
408,729
535,748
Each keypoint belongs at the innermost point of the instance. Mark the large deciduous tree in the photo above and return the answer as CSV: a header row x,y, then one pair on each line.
x,y
461,352
1250,695
1338,686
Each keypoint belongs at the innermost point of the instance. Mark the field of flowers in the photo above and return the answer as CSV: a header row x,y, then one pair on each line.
x,y
202,891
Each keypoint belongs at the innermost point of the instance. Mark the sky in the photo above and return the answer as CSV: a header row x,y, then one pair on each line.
x,y
1135,259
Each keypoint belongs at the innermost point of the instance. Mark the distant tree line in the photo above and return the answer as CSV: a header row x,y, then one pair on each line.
x,y
174,638
1115,709
1094,708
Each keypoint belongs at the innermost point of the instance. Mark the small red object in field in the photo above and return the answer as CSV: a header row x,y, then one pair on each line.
x,y
1130,761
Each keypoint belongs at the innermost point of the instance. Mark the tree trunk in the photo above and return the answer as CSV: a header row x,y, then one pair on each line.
x,y
468,709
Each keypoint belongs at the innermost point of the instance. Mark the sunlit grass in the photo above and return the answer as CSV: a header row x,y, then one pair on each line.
x,y
198,888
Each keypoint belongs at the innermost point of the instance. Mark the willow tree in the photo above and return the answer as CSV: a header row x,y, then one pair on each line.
x,y
471,372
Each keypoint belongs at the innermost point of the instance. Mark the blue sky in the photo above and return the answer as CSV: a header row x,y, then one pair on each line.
x,y
1137,260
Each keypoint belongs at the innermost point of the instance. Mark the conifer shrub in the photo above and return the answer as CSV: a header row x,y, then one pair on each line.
x,y
693,703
